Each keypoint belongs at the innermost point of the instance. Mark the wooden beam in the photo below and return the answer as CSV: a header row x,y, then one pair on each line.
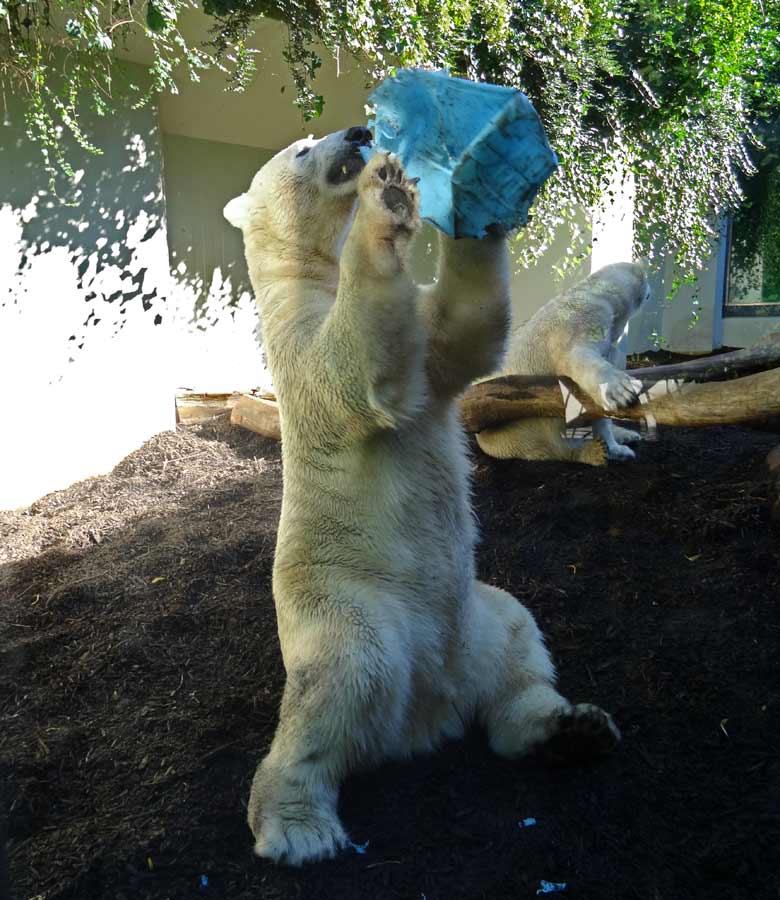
x,y
258,414
193,407
489,404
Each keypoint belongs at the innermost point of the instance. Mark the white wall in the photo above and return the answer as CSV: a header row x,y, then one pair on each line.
x,y
83,317
694,321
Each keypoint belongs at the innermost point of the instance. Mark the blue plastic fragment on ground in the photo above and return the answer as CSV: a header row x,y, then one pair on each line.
x,y
479,150
527,823
550,887
359,848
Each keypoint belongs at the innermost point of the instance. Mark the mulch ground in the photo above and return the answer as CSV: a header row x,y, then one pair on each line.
x,y
140,678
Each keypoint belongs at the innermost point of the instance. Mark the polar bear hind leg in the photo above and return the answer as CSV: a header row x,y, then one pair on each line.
x,y
540,439
604,430
322,736
292,805
519,705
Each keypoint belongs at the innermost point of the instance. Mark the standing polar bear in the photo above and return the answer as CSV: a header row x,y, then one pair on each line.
x,y
576,334
389,642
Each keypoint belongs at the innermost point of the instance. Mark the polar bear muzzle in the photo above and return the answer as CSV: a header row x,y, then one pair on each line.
x,y
349,162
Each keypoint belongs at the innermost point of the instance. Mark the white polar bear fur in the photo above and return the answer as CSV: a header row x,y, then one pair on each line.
x,y
390,644
576,334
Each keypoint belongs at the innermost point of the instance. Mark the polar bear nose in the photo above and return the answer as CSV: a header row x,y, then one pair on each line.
x,y
358,135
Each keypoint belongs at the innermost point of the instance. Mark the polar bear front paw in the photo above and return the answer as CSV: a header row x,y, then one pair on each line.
x,y
390,195
581,732
620,390
295,841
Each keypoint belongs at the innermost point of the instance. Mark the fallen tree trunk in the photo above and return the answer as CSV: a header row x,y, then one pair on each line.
x,y
490,404
502,400
666,402
713,403
765,354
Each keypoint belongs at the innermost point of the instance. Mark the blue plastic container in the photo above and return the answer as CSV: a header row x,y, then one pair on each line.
x,y
479,149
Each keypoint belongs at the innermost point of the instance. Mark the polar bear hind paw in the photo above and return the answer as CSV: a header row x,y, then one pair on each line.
x,y
620,453
625,435
294,842
583,732
384,181
593,453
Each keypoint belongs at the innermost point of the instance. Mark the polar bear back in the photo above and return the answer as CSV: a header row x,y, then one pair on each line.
x,y
593,312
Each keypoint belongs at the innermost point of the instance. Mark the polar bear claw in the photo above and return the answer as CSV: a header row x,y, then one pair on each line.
x,y
582,732
384,182
295,842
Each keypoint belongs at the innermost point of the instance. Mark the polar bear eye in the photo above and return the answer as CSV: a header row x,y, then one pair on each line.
x,y
302,152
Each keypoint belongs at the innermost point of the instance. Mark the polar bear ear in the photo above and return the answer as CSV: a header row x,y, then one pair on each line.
x,y
237,211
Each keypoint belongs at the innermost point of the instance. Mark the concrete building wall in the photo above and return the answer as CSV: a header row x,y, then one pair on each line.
x,y
218,350
694,320
745,331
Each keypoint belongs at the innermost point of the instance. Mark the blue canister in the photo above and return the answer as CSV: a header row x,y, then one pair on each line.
x,y
479,150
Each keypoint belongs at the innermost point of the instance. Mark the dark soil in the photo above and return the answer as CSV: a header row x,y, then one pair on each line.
x,y
140,678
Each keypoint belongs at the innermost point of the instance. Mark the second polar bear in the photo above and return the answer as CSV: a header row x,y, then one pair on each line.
x,y
576,334
389,641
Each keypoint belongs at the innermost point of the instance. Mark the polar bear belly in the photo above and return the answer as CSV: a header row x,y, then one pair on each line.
x,y
381,537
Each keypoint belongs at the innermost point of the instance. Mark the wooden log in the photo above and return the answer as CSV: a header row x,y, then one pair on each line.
x,y
664,402
502,400
510,397
258,414
694,405
765,354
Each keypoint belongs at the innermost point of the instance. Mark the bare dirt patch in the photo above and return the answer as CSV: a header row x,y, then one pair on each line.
x,y
140,678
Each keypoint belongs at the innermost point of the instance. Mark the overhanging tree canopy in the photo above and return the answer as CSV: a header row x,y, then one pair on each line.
x,y
670,90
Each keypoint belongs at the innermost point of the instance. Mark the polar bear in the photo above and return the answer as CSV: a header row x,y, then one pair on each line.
x,y
389,642
576,334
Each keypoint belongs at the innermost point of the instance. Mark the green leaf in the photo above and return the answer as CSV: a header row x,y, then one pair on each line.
x,y
160,15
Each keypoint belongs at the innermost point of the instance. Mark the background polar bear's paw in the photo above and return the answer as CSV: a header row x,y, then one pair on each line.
x,y
625,435
592,453
384,184
297,841
620,453
620,390
583,732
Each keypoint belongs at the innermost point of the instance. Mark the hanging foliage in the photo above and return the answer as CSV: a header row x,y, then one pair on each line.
x,y
754,274
667,90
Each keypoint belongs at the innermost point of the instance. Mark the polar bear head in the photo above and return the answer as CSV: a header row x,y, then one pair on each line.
x,y
304,195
